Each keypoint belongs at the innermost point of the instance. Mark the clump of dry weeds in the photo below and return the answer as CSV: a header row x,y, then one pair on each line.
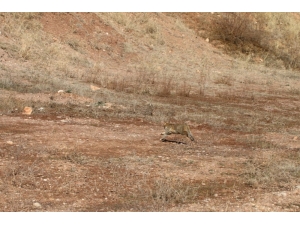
x,y
277,171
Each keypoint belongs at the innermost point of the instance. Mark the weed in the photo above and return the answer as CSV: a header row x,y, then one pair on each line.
x,y
272,171
165,88
184,89
151,29
75,157
257,142
160,194
294,91
74,44
167,191
227,80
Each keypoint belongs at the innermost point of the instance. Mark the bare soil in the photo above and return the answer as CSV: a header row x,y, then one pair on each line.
x,y
70,155
79,164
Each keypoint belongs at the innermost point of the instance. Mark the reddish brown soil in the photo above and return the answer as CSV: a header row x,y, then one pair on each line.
x,y
77,164
57,160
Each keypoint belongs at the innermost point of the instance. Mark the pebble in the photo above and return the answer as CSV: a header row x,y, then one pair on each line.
x,y
283,194
27,110
37,205
41,109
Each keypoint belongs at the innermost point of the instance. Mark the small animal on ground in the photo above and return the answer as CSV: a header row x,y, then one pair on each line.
x,y
182,129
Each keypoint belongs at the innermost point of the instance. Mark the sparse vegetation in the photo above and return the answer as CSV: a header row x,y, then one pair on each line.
x,y
102,84
267,37
272,172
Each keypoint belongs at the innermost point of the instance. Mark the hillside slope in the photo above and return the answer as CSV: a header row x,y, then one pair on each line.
x,y
100,86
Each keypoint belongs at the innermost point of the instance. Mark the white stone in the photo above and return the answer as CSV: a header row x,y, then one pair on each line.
x,y
94,88
37,205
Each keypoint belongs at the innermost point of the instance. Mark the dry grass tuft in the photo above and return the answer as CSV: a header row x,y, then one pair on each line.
x,y
272,171
227,80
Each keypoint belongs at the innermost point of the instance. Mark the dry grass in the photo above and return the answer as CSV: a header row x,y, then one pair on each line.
x,y
147,78
227,80
271,36
272,171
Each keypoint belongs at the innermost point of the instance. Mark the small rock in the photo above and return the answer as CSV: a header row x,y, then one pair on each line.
x,y
207,39
27,110
282,194
10,142
295,138
216,195
37,205
61,91
94,88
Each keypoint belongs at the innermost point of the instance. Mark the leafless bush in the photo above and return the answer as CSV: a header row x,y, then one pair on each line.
x,y
238,29
165,87
227,80
184,89
273,36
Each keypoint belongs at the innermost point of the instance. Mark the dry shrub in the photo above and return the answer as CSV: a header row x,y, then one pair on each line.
x,y
184,89
168,191
165,87
238,30
274,171
285,30
272,36
227,80
159,194
23,28
25,51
